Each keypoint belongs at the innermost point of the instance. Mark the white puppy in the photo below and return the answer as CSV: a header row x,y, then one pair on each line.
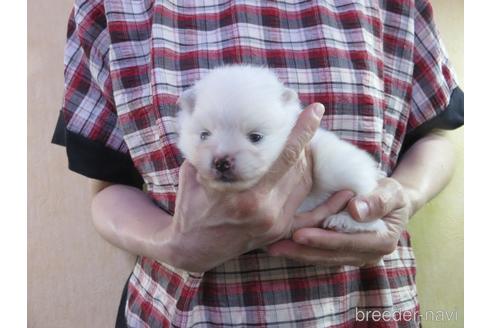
x,y
234,123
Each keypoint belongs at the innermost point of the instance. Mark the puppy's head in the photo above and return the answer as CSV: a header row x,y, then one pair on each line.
x,y
234,123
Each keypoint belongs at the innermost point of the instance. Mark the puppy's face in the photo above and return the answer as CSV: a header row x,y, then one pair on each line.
x,y
233,139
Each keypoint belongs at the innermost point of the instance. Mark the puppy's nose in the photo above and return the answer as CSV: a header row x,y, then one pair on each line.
x,y
223,164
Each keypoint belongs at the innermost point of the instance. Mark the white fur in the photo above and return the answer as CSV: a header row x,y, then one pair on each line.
x,y
230,102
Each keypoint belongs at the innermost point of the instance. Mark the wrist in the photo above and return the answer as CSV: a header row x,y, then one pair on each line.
x,y
161,246
414,199
168,246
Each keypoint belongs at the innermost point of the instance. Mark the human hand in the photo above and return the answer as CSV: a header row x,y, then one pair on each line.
x,y
210,227
309,244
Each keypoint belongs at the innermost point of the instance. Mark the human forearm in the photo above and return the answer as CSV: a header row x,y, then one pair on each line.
x,y
426,168
127,218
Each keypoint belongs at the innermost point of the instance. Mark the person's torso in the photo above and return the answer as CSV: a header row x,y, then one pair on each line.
x,y
355,57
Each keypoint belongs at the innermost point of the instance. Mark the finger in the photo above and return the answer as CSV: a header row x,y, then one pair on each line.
x,y
301,253
331,206
187,176
305,128
298,180
387,197
364,242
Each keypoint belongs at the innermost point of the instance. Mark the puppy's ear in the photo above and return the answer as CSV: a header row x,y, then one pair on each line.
x,y
187,100
289,96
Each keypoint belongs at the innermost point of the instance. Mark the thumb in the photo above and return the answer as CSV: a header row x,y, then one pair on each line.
x,y
304,129
387,197
187,176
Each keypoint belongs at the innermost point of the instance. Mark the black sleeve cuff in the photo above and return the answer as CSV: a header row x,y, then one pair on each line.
x,y
449,119
94,160
59,134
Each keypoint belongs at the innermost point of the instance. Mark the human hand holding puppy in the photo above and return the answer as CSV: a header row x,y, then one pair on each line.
x,y
314,245
210,226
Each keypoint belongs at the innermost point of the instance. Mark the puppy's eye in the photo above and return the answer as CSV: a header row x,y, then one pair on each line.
x,y
204,135
255,137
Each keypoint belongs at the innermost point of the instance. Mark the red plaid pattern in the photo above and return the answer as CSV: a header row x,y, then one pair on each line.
x,y
378,67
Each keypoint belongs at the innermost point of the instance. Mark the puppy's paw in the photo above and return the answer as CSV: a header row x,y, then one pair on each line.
x,y
345,223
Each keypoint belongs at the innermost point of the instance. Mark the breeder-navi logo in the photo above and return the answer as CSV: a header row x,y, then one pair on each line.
x,y
402,315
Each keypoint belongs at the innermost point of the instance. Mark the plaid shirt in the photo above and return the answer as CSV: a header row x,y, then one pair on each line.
x,y
378,67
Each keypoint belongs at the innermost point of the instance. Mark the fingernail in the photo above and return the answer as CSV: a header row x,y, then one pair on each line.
x,y
362,208
319,110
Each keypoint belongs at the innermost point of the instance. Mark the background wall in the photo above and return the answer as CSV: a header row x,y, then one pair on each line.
x,y
75,278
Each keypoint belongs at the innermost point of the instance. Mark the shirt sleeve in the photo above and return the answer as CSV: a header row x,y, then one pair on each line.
x,y
87,125
436,100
